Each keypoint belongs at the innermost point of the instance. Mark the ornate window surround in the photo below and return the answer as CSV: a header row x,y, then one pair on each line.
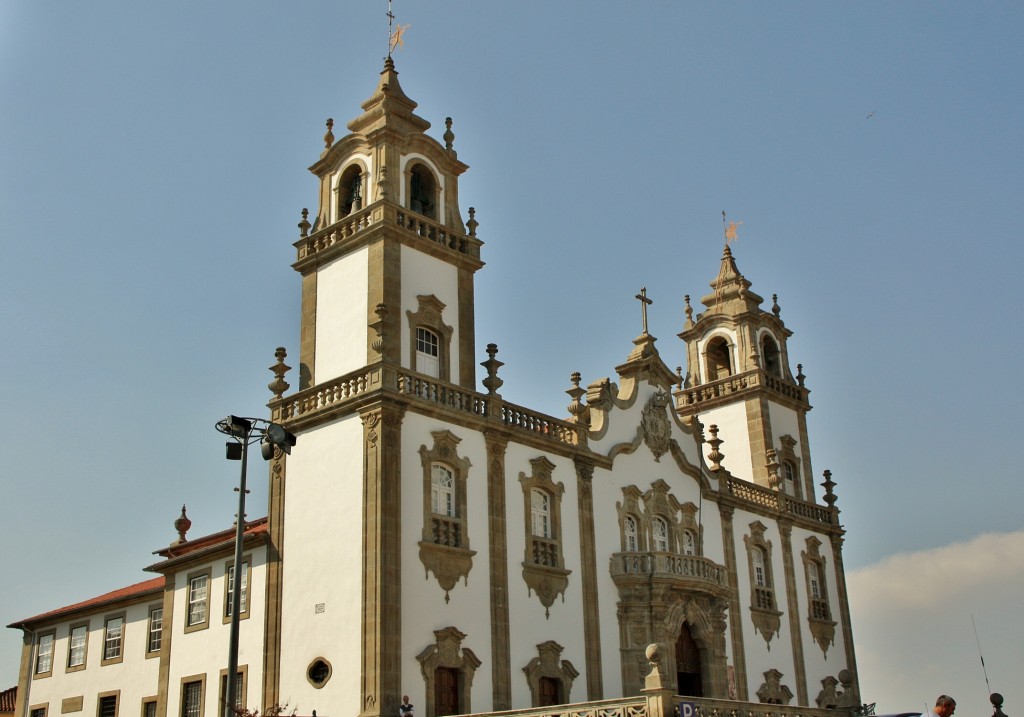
x,y
447,651
658,502
444,547
547,664
819,614
543,561
786,453
767,620
428,315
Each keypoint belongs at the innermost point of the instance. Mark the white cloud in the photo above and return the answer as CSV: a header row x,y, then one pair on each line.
x,y
912,625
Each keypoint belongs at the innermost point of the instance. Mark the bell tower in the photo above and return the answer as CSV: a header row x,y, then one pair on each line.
x,y
740,380
387,263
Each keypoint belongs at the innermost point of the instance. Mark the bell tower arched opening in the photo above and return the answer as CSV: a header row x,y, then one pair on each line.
x,y
719,364
350,191
770,356
422,191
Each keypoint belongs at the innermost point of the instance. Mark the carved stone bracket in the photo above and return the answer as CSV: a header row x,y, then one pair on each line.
x,y
547,582
447,564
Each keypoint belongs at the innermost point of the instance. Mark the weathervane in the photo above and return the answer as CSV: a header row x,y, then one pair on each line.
x,y
395,34
729,229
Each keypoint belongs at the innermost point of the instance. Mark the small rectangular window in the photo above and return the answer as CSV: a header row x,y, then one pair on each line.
x,y
243,601
239,689
156,629
112,638
149,708
192,699
77,643
197,594
107,706
44,654
37,712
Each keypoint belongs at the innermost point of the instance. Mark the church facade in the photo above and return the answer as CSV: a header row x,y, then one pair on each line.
x,y
428,538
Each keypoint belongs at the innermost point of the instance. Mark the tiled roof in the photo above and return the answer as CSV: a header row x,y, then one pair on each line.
x,y
254,527
7,698
147,586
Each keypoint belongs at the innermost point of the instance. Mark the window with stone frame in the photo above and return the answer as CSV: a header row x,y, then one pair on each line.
x,y
155,633
630,534
430,339
78,645
543,563
38,711
113,639
444,545
789,467
193,691
44,654
763,603
689,542
107,703
197,616
819,613
229,590
632,528
660,535
241,683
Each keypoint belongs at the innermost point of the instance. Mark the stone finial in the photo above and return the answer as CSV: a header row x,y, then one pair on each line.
x,y
715,456
182,524
304,225
773,469
800,374
278,386
689,312
997,704
382,182
329,137
472,224
449,136
492,383
828,484
381,310
576,408
776,309
655,679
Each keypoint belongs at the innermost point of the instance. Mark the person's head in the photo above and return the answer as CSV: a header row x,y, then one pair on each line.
x,y
945,706
405,699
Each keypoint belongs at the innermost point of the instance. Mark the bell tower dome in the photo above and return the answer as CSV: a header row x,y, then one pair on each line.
x,y
740,379
388,264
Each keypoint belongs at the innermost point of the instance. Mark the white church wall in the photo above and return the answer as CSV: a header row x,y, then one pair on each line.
x,y
732,429
424,609
341,311
564,622
760,655
323,567
423,275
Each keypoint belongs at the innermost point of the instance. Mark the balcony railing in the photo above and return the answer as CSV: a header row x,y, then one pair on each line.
x,y
689,567
703,396
777,500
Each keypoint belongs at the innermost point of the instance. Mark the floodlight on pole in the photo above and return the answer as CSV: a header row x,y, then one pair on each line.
x,y
245,432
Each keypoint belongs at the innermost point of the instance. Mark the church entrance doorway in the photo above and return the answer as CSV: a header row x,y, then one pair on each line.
x,y
688,675
446,691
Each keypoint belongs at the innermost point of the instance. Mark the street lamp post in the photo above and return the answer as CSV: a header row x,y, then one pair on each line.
x,y
245,432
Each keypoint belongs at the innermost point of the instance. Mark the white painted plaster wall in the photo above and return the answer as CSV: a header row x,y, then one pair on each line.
x,y
732,429
135,676
530,627
423,275
323,565
424,609
205,652
341,315
759,657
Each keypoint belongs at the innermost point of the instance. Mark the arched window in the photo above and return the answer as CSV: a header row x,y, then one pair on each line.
x,y
350,191
689,543
814,581
659,534
760,573
540,513
428,352
629,531
422,191
442,492
770,356
719,364
789,484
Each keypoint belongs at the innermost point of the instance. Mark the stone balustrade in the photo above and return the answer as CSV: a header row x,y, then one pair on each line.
x,y
658,564
722,390
777,500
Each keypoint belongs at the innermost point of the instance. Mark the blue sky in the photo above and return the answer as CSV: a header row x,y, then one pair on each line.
x,y
152,171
